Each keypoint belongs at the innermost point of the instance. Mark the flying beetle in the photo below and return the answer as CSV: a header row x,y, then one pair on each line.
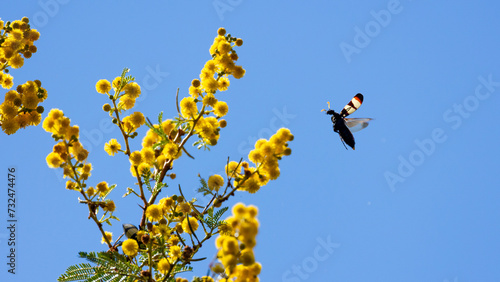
x,y
345,126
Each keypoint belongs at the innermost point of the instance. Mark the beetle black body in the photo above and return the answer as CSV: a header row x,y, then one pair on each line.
x,y
345,126
341,128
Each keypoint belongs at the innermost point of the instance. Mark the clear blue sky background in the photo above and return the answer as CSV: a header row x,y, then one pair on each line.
x,y
418,200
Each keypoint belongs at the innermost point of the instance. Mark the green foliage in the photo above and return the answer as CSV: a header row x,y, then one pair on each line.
x,y
126,79
108,191
201,143
108,267
213,220
204,187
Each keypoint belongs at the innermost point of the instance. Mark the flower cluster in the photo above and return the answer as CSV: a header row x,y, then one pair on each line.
x,y
70,155
167,220
17,43
236,244
213,78
173,229
68,149
20,107
160,147
125,94
265,156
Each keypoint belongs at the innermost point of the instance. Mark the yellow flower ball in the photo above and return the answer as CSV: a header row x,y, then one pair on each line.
x,y
221,31
215,182
229,261
220,108
53,159
185,225
148,155
112,147
256,156
223,83
252,211
126,102
135,158
130,247
163,266
171,151
167,126
247,258
154,213
232,168
11,126
109,236
239,210
132,90
137,119
209,100
103,86
188,107
238,72
175,251
210,84
102,187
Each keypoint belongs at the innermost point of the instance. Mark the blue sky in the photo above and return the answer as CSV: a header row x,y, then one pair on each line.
x,y
416,201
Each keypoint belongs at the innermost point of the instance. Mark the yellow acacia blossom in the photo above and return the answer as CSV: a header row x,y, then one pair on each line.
x,y
132,90
126,102
215,182
265,156
154,213
220,108
20,107
102,188
85,171
236,249
188,107
209,100
171,151
109,236
164,266
186,226
112,147
135,158
147,155
103,86
130,247
223,83
137,119
175,252
167,126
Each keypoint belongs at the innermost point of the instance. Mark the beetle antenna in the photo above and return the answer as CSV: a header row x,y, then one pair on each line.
x,y
328,107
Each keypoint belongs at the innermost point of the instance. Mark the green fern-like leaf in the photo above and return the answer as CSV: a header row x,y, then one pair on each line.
x,y
160,118
204,187
108,267
79,272
213,220
219,213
